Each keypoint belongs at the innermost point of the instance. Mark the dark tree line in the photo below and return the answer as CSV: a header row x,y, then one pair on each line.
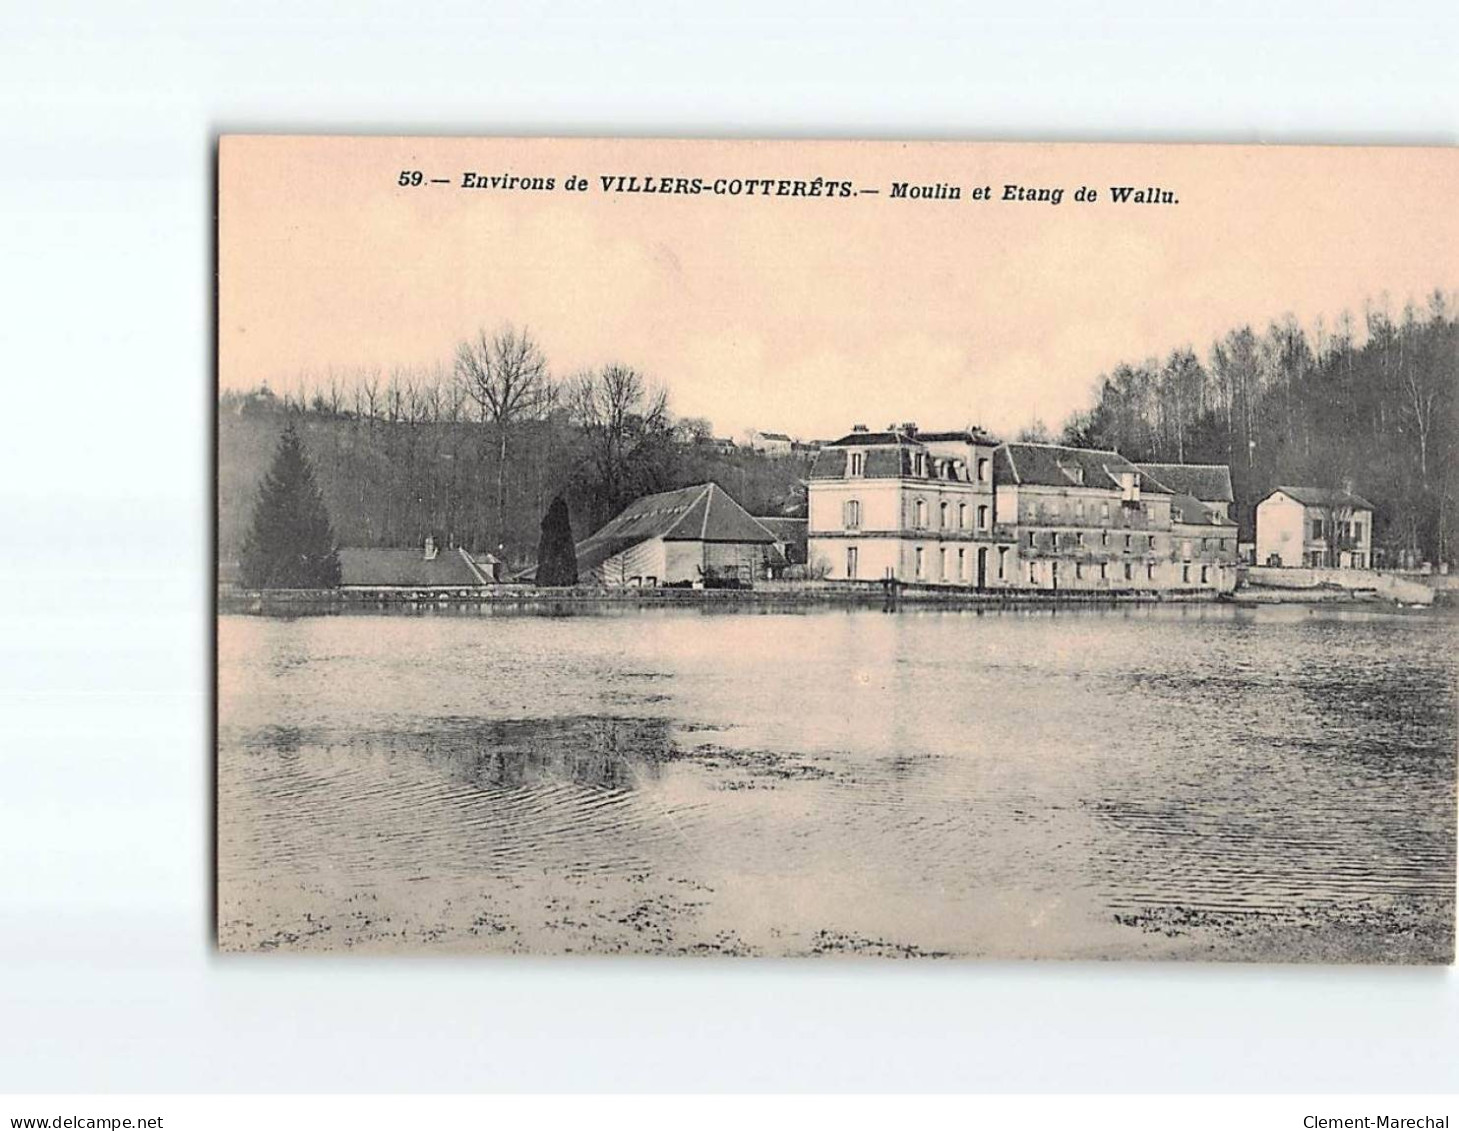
x,y
474,454
1373,408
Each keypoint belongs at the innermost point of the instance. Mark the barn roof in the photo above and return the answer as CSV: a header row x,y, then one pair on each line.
x,y
1055,465
369,566
704,513
1209,482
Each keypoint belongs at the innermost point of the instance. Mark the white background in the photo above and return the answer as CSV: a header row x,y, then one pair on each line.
x,y
108,115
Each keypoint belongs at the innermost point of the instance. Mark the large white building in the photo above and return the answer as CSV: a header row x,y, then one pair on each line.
x,y
903,504
961,509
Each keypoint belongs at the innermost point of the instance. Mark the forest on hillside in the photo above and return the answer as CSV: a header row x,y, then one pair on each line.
x,y
474,455
1369,405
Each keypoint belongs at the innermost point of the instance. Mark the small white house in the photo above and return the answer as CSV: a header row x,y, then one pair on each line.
x,y
1314,526
770,443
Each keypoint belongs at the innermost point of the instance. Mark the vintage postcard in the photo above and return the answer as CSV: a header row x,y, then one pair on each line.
x,y
870,549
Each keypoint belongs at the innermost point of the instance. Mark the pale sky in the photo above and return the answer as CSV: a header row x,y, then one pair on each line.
x,y
809,315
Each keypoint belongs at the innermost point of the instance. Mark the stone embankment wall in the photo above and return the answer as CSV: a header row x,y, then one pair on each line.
x,y
1393,586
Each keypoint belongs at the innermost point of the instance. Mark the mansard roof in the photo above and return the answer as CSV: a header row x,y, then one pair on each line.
x,y
966,435
872,439
1209,482
1056,465
889,461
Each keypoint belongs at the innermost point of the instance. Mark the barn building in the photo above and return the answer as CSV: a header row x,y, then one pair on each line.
x,y
694,536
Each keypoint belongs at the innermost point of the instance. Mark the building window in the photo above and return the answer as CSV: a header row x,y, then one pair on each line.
x,y
1185,549
1078,571
1358,532
1002,562
858,463
921,561
942,564
962,564
1033,573
919,512
1104,511
851,561
1150,571
919,465
1152,541
942,515
983,469
1129,571
1104,571
1055,539
1185,573
1205,574
1316,529
962,516
1129,541
1079,538
1104,538
1079,509
853,514
982,518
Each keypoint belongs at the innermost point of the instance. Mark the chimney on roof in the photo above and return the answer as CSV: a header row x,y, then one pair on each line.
x,y
430,549
910,427
858,428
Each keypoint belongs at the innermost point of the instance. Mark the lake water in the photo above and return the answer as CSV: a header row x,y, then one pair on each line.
x,y
1198,781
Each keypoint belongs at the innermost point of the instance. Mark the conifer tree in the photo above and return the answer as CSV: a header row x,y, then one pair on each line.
x,y
557,559
291,544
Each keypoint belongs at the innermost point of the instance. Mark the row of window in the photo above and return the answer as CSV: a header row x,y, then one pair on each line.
x,y
960,561
851,515
1049,511
945,469
1347,531
1102,571
1063,540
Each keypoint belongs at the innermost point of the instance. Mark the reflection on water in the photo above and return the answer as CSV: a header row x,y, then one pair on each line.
x,y
1196,781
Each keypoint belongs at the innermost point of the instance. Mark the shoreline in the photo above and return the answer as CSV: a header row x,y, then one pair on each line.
x,y
774,595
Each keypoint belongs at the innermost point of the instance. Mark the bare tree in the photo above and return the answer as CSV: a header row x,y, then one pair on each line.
x,y
370,385
618,411
505,373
